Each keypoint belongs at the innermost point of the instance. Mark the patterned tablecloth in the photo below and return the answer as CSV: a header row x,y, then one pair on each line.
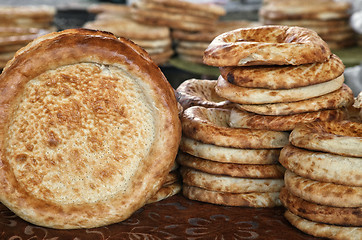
x,y
173,218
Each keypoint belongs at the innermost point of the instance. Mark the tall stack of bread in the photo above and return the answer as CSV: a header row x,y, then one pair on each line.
x,y
253,106
323,185
329,18
191,23
20,25
156,40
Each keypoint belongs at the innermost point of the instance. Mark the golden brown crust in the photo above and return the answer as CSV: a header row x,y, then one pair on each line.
x,y
329,231
266,45
243,119
60,59
321,213
322,166
337,137
323,193
341,98
265,199
244,95
209,125
284,77
165,192
222,183
227,154
198,92
231,169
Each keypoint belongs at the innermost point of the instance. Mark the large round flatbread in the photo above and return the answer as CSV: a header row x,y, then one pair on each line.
x,y
85,121
348,216
228,154
165,192
221,183
231,169
200,92
210,125
284,77
342,97
322,193
245,95
321,166
244,119
337,137
324,230
268,199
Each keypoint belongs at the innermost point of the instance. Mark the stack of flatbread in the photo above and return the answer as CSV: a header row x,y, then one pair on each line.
x,y
190,46
224,165
323,185
329,18
194,24
20,25
156,40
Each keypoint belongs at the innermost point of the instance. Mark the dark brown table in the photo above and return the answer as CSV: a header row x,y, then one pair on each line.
x,y
173,218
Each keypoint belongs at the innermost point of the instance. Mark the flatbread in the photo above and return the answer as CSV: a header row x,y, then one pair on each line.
x,y
200,92
345,216
323,193
221,183
210,125
324,230
85,121
244,95
165,192
227,154
321,166
336,137
244,119
342,97
232,199
284,77
231,169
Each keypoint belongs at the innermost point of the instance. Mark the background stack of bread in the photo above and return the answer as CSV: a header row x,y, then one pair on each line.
x,y
323,185
192,24
190,46
156,40
20,25
329,18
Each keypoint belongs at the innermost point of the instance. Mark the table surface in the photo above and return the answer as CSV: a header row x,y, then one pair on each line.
x,y
172,218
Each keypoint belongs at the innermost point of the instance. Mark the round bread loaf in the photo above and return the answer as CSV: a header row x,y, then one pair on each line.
x,y
228,154
210,125
347,216
337,137
322,166
243,119
221,183
284,77
244,95
266,45
85,121
324,230
267,199
231,169
198,92
323,193
340,98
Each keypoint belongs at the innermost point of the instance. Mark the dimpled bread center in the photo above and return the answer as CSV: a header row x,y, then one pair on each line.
x,y
79,133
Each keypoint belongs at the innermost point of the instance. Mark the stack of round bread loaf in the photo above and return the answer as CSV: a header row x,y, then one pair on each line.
x,y
229,166
156,40
323,185
20,25
329,18
190,46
